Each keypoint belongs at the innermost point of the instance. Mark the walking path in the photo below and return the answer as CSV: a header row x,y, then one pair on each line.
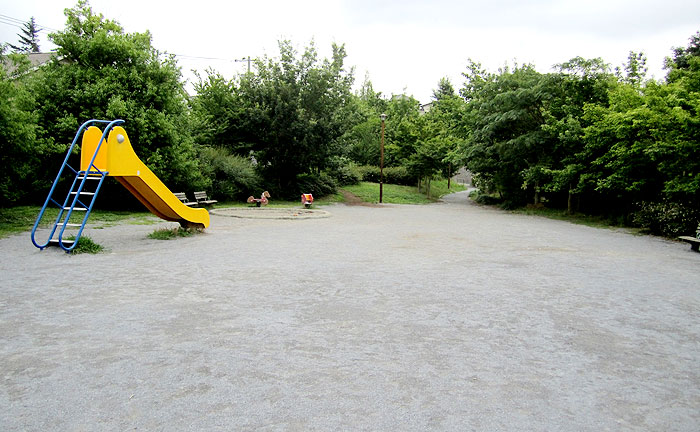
x,y
448,316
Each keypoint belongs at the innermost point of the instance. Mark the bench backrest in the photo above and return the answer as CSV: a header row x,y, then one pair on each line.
x,y
181,196
200,196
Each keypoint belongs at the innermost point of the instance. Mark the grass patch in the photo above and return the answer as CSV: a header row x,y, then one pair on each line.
x,y
173,233
438,188
396,194
19,219
15,220
86,245
577,218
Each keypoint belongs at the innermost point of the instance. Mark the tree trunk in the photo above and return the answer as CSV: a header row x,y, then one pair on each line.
x,y
449,175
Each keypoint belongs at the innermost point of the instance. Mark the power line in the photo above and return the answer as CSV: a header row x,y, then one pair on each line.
x,y
6,19
9,18
185,56
10,23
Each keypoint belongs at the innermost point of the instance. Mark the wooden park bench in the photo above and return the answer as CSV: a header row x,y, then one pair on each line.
x,y
183,198
202,199
694,241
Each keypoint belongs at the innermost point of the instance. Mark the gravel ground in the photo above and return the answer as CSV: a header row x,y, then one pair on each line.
x,y
448,316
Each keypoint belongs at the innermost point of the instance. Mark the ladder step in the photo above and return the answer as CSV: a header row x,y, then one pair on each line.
x,y
68,224
90,177
75,208
83,193
65,242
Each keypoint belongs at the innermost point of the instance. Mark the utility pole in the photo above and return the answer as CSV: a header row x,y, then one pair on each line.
x,y
244,59
381,162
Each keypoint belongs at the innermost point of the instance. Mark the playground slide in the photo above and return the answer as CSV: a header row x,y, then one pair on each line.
x,y
118,158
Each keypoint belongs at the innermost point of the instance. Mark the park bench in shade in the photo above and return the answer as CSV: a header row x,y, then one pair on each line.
x,y
202,199
694,241
183,198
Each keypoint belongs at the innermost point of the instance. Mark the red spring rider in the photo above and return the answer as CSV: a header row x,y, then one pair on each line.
x,y
307,200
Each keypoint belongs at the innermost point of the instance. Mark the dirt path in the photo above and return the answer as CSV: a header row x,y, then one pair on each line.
x,y
353,200
449,316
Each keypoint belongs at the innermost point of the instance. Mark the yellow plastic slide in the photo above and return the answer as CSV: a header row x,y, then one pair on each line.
x,y
117,157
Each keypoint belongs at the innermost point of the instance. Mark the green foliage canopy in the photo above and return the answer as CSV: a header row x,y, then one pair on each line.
x,y
289,114
102,72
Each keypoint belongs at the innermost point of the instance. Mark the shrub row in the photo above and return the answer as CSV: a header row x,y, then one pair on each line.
x,y
393,175
233,177
666,218
318,184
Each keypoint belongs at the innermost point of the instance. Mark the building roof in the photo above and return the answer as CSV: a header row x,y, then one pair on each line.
x,y
36,60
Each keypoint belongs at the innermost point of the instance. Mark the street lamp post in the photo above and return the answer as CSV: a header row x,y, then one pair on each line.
x,y
381,162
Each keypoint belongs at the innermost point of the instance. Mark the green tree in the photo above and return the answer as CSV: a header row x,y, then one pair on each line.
x,y
443,132
681,58
290,113
219,115
106,73
644,146
578,82
444,89
505,115
403,129
28,39
635,69
18,152
361,139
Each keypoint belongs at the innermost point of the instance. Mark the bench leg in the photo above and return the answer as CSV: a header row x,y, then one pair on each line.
x,y
695,247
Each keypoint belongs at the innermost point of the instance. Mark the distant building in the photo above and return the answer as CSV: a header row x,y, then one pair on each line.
x,y
425,108
463,176
36,60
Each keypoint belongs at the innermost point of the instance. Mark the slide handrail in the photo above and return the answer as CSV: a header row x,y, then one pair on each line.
x,y
110,124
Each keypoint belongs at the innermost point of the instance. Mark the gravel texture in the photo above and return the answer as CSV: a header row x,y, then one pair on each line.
x,y
448,316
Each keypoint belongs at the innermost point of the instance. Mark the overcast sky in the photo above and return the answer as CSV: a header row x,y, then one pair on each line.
x,y
404,45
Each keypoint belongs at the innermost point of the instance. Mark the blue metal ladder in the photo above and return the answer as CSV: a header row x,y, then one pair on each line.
x,y
80,198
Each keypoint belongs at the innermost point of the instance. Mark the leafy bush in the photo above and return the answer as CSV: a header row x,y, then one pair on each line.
x,y
233,177
317,184
398,175
18,145
344,171
484,198
392,175
666,218
369,173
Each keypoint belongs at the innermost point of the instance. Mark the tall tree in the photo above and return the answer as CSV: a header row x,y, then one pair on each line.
x,y
681,56
28,39
18,151
507,142
578,83
444,89
107,73
643,148
290,113
635,69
